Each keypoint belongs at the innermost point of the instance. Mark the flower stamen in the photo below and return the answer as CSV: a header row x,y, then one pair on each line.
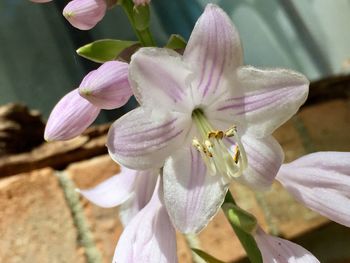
x,y
229,161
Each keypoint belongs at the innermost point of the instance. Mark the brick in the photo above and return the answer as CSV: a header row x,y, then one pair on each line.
x,y
35,222
290,140
328,125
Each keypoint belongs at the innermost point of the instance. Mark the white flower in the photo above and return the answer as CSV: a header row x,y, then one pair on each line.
x,y
205,98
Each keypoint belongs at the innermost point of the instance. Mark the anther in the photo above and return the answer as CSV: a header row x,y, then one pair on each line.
x,y
215,134
231,131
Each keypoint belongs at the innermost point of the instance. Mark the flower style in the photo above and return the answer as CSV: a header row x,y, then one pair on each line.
x,y
321,181
85,14
278,250
206,118
73,113
148,235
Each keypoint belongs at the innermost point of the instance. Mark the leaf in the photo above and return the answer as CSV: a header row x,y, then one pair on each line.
x,y
141,17
176,42
104,50
205,256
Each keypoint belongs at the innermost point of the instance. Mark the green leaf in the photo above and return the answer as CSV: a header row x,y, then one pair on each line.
x,y
141,15
205,256
176,42
104,50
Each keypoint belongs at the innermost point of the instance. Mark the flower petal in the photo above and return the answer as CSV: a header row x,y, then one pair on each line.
x,y
159,77
70,117
270,98
141,141
321,181
144,186
85,14
278,250
115,190
191,195
265,156
108,86
213,53
149,237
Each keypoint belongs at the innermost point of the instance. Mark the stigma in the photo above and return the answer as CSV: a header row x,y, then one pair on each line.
x,y
222,151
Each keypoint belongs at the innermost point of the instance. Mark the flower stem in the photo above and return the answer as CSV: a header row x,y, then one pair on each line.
x,y
144,36
243,223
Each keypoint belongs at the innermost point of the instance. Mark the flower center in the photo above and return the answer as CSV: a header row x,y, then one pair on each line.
x,y
227,160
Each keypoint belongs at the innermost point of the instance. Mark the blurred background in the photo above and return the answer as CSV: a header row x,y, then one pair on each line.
x,y
39,65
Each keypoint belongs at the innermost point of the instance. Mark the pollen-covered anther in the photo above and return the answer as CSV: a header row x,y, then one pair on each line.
x,y
236,154
215,134
231,131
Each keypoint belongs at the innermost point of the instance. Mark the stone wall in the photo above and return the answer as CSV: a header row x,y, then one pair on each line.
x,y
38,224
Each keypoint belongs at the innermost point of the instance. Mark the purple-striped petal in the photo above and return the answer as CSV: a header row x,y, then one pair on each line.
x,y
149,237
140,140
321,181
160,78
70,117
108,86
268,99
144,186
278,250
192,196
213,53
85,14
115,190
265,157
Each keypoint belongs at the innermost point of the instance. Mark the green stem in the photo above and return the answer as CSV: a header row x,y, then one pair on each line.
x,y
144,36
247,240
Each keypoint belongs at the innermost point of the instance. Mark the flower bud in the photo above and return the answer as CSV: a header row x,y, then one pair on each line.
x,y
85,14
108,86
70,117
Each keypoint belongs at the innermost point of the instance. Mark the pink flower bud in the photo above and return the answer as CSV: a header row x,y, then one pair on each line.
x,y
108,86
85,14
141,2
70,117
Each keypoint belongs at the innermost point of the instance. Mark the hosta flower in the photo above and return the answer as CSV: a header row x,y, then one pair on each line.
x,y
321,181
278,250
206,118
148,235
130,188
85,14
107,87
